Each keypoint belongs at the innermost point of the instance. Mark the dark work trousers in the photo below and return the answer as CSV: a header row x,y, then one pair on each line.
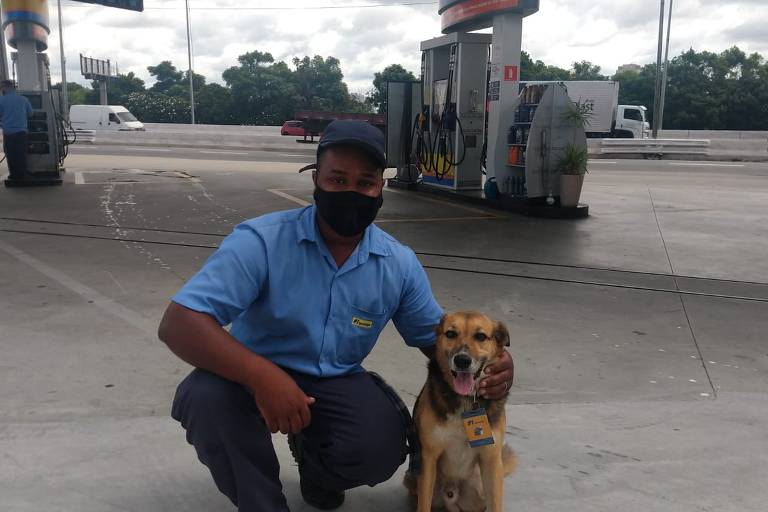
x,y
15,148
356,437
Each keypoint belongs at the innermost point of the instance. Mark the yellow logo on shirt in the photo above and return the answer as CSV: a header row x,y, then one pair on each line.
x,y
362,323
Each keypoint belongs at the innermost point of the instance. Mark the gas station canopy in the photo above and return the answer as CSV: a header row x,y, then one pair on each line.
x,y
467,15
131,5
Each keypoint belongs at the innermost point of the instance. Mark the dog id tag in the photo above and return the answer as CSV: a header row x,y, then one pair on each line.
x,y
477,428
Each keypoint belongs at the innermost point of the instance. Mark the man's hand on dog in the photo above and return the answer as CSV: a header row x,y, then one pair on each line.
x,y
282,403
499,377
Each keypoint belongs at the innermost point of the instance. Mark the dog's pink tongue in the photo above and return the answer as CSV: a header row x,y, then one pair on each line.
x,y
463,383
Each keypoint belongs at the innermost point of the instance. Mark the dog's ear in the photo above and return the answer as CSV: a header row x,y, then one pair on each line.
x,y
501,334
439,326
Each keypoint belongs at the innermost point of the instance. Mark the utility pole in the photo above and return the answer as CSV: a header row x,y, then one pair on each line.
x,y
191,73
666,68
64,92
657,93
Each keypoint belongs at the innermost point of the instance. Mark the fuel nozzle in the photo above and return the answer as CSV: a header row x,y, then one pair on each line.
x,y
442,143
452,58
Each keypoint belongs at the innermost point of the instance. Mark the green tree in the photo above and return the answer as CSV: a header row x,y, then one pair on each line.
x,y
118,89
320,84
392,73
746,96
585,70
705,90
534,71
360,103
731,91
637,88
166,76
153,107
694,92
181,89
214,105
76,93
263,90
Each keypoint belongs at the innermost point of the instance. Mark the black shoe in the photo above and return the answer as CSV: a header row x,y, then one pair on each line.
x,y
313,494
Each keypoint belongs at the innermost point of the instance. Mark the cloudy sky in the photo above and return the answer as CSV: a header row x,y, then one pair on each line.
x,y
367,35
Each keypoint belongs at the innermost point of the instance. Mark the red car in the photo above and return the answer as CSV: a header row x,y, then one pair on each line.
x,y
295,128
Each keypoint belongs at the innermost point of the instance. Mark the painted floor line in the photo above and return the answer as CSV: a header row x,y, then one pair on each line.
x,y
289,197
223,152
603,162
700,164
79,179
422,197
302,202
90,295
435,219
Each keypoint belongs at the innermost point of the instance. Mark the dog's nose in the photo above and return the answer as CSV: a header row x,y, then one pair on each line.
x,y
462,361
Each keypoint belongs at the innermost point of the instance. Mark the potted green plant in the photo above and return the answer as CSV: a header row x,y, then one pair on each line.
x,y
572,163
572,166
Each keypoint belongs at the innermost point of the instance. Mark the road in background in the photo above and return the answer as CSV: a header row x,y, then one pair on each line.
x,y
123,152
302,153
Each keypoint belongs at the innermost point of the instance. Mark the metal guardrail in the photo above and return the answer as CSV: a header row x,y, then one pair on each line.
x,y
655,146
85,136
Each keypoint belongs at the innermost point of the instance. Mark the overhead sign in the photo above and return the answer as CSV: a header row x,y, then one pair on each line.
x,y
96,69
460,16
131,5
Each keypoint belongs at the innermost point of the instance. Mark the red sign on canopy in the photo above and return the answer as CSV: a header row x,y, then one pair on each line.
x,y
466,11
476,14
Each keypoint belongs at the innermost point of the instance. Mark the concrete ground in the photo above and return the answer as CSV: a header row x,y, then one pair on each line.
x,y
638,333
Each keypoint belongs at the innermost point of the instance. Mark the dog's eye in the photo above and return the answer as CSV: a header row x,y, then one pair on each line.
x,y
451,334
481,337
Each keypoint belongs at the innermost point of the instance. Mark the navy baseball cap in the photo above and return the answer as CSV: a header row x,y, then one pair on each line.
x,y
350,132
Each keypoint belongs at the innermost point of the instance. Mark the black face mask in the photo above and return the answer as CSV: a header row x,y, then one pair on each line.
x,y
348,213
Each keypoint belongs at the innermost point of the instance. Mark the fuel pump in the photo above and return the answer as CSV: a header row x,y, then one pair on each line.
x,y
449,130
26,26
437,127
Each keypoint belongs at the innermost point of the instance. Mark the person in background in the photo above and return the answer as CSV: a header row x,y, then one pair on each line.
x,y
14,114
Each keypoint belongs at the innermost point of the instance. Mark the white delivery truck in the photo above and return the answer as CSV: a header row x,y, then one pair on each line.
x,y
609,119
103,117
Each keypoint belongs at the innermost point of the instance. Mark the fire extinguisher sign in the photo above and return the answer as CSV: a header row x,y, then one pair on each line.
x,y
510,73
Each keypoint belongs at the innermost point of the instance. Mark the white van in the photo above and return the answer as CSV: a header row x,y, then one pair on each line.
x,y
103,117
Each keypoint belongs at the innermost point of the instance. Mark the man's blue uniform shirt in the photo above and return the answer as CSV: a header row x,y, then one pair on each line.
x,y
276,282
14,111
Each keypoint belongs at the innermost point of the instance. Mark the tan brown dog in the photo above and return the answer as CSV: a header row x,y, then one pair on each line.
x,y
456,476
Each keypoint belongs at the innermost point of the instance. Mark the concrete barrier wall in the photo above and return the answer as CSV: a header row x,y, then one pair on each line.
x,y
712,134
216,128
720,149
725,145
257,138
275,130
